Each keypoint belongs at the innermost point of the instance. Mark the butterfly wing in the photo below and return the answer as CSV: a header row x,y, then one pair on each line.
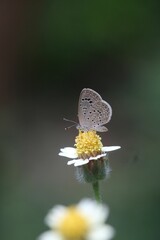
x,y
86,100
93,112
101,113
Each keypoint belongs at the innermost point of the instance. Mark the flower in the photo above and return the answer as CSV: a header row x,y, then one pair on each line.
x,y
86,221
88,147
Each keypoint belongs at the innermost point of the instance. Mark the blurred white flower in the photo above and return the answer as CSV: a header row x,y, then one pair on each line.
x,y
86,221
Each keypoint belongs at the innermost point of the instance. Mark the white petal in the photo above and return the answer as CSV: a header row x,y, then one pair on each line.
x,y
78,162
71,162
68,149
81,162
49,235
103,232
110,148
55,215
98,156
65,155
68,152
94,212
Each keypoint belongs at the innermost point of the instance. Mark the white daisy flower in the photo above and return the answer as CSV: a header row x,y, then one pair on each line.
x,y
88,147
86,220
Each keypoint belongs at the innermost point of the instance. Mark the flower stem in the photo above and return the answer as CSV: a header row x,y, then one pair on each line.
x,y
96,191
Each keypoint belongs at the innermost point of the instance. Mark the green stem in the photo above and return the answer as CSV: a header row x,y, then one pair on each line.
x,y
96,191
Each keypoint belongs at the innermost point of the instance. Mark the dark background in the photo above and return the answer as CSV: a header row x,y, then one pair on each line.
x,y
50,51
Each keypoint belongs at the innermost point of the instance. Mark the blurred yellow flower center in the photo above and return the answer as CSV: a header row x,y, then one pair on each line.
x,y
73,225
88,144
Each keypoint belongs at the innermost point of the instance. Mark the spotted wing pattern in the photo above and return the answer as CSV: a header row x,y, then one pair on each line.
x,y
93,111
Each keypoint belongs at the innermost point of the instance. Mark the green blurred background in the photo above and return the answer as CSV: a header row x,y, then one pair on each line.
x,y
50,50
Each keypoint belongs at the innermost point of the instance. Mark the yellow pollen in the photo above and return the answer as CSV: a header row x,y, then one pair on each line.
x,y
88,144
73,225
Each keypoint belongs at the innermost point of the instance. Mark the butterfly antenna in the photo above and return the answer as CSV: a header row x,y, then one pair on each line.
x,y
68,120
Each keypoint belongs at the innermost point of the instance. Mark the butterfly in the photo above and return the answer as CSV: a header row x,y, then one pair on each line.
x,y
93,111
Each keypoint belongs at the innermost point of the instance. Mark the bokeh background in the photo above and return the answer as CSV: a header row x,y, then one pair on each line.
x,y
49,51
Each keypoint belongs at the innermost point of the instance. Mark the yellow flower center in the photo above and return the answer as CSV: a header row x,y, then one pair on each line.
x,y
88,144
73,225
